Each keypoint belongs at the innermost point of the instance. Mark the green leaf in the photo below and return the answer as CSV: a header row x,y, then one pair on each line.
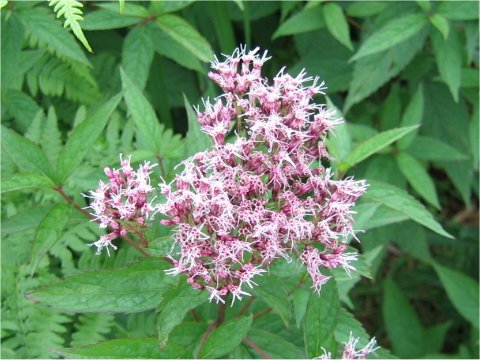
x,y
273,292
42,27
403,325
196,140
143,348
303,21
131,9
413,116
3,3
48,233
12,41
462,291
174,306
137,55
393,33
135,288
121,6
431,149
21,106
373,145
83,138
398,200
51,139
448,55
300,302
274,345
23,181
25,154
441,24
435,337
321,319
70,9
337,24
458,10
104,19
225,338
187,36
363,9
418,178
141,112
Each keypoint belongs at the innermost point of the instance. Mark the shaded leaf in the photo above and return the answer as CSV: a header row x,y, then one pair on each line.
x,y
196,140
337,24
274,345
458,10
303,21
432,149
413,116
137,55
272,291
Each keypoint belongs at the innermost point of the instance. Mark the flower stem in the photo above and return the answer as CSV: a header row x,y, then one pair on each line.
x,y
255,347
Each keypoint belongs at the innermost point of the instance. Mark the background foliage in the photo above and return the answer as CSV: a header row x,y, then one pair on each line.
x,y
124,85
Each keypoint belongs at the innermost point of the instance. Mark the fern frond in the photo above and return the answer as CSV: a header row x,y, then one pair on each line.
x,y
91,329
70,9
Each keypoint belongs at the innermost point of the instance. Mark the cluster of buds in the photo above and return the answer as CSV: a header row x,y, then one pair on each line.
x,y
262,193
350,352
121,205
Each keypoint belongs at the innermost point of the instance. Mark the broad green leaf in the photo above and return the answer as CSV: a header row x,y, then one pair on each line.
x,y
134,288
458,10
196,140
412,238
12,41
418,178
391,109
140,348
173,50
104,19
300,302
321,319
413,116
373,71
274,345
184,34
174,306
27,219
51,140
337,24
431,149
404,328
384,216
303,21
141,112
84,136
425,5
48,233
398,200
462,291
131,9
474,137
435,337
45,28
21,106
363,9
441,24
273,292
165,7
396,31
137,55
225,338
448,56
373,145
25,154
23,181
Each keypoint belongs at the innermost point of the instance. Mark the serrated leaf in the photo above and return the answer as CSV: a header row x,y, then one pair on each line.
x,y
462,291
187,36
140,348
272,291
274,345
458,10
418,178
301,297
363,9
21,106
321,319
42,26
448,56
134,288
337,24
431,149
137,55
403,325
141,112
48,233
104,19
196,140
412,116
393,33
84,136
373,145
400,201
225,338
25,153
174,306
441,24
303,21
12,40
23,181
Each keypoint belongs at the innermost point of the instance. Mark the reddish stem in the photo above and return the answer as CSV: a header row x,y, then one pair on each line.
x,y
255,347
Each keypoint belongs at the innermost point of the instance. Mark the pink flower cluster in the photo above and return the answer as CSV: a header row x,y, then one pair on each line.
x,y
121,204
262,193
350,352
